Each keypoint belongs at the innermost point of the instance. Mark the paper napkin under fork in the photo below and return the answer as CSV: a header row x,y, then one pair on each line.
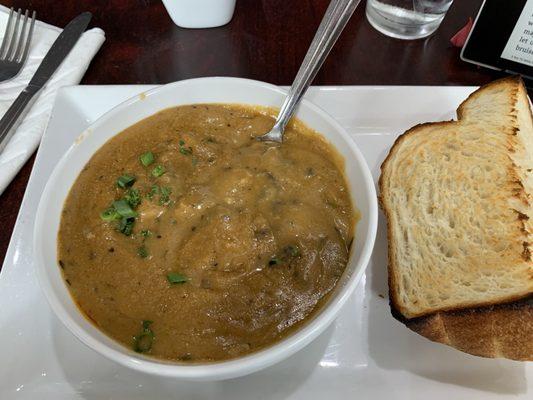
x,y
29,132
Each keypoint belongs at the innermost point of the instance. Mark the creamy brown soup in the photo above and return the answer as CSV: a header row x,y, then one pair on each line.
x,y
186,239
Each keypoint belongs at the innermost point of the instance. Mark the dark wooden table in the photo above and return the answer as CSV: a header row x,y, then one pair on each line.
x,y
266,40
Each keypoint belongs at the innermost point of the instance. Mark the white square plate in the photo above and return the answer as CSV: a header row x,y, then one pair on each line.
x,y
365,354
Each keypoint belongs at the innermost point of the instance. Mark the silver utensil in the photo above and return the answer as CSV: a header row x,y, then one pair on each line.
x,y
53,59
16,43
333,22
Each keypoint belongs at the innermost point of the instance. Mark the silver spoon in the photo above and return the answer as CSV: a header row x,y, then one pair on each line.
x,y
334,21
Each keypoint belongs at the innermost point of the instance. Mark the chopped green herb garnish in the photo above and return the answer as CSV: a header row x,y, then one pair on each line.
x,y
146,324
175,278
153,191
194,161
145,233
143,251
184,150
274,261
125,181
288,254
158,171
133,197
123,207
164,199
147,158
110,214
143,341
126,225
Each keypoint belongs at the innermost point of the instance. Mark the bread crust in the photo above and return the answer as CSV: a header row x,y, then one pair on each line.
x,y
503,330
493,329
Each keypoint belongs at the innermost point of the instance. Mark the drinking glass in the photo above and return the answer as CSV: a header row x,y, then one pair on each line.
x,y
406,19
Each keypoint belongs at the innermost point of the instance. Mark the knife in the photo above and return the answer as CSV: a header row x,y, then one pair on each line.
x,y
52,60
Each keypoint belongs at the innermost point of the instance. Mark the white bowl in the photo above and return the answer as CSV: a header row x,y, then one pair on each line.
x,y
203,90
200,13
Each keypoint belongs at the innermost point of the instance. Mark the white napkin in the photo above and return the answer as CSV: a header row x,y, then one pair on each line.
x,y
28,134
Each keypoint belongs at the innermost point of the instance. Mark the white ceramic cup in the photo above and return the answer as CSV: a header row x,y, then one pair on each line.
x,y
200,13
202,90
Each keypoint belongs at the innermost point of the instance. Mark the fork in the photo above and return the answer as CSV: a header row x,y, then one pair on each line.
x,y
16,44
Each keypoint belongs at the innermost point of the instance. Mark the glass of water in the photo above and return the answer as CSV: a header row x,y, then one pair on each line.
x,y
406,19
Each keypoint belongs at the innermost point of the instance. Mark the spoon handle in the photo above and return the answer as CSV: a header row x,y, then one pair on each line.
x,y
334,21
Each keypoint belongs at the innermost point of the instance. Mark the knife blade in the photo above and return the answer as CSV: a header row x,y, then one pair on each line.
x,y
51,61
60,49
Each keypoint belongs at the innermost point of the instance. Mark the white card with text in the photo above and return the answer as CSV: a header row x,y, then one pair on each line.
x,y
519,47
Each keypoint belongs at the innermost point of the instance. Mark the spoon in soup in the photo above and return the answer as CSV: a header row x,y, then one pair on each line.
x,y
333,22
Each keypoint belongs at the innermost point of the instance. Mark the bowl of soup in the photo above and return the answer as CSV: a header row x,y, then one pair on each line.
x,y
172,241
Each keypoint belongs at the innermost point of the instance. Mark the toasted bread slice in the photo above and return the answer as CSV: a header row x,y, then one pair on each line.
x,y
504,330
457,197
